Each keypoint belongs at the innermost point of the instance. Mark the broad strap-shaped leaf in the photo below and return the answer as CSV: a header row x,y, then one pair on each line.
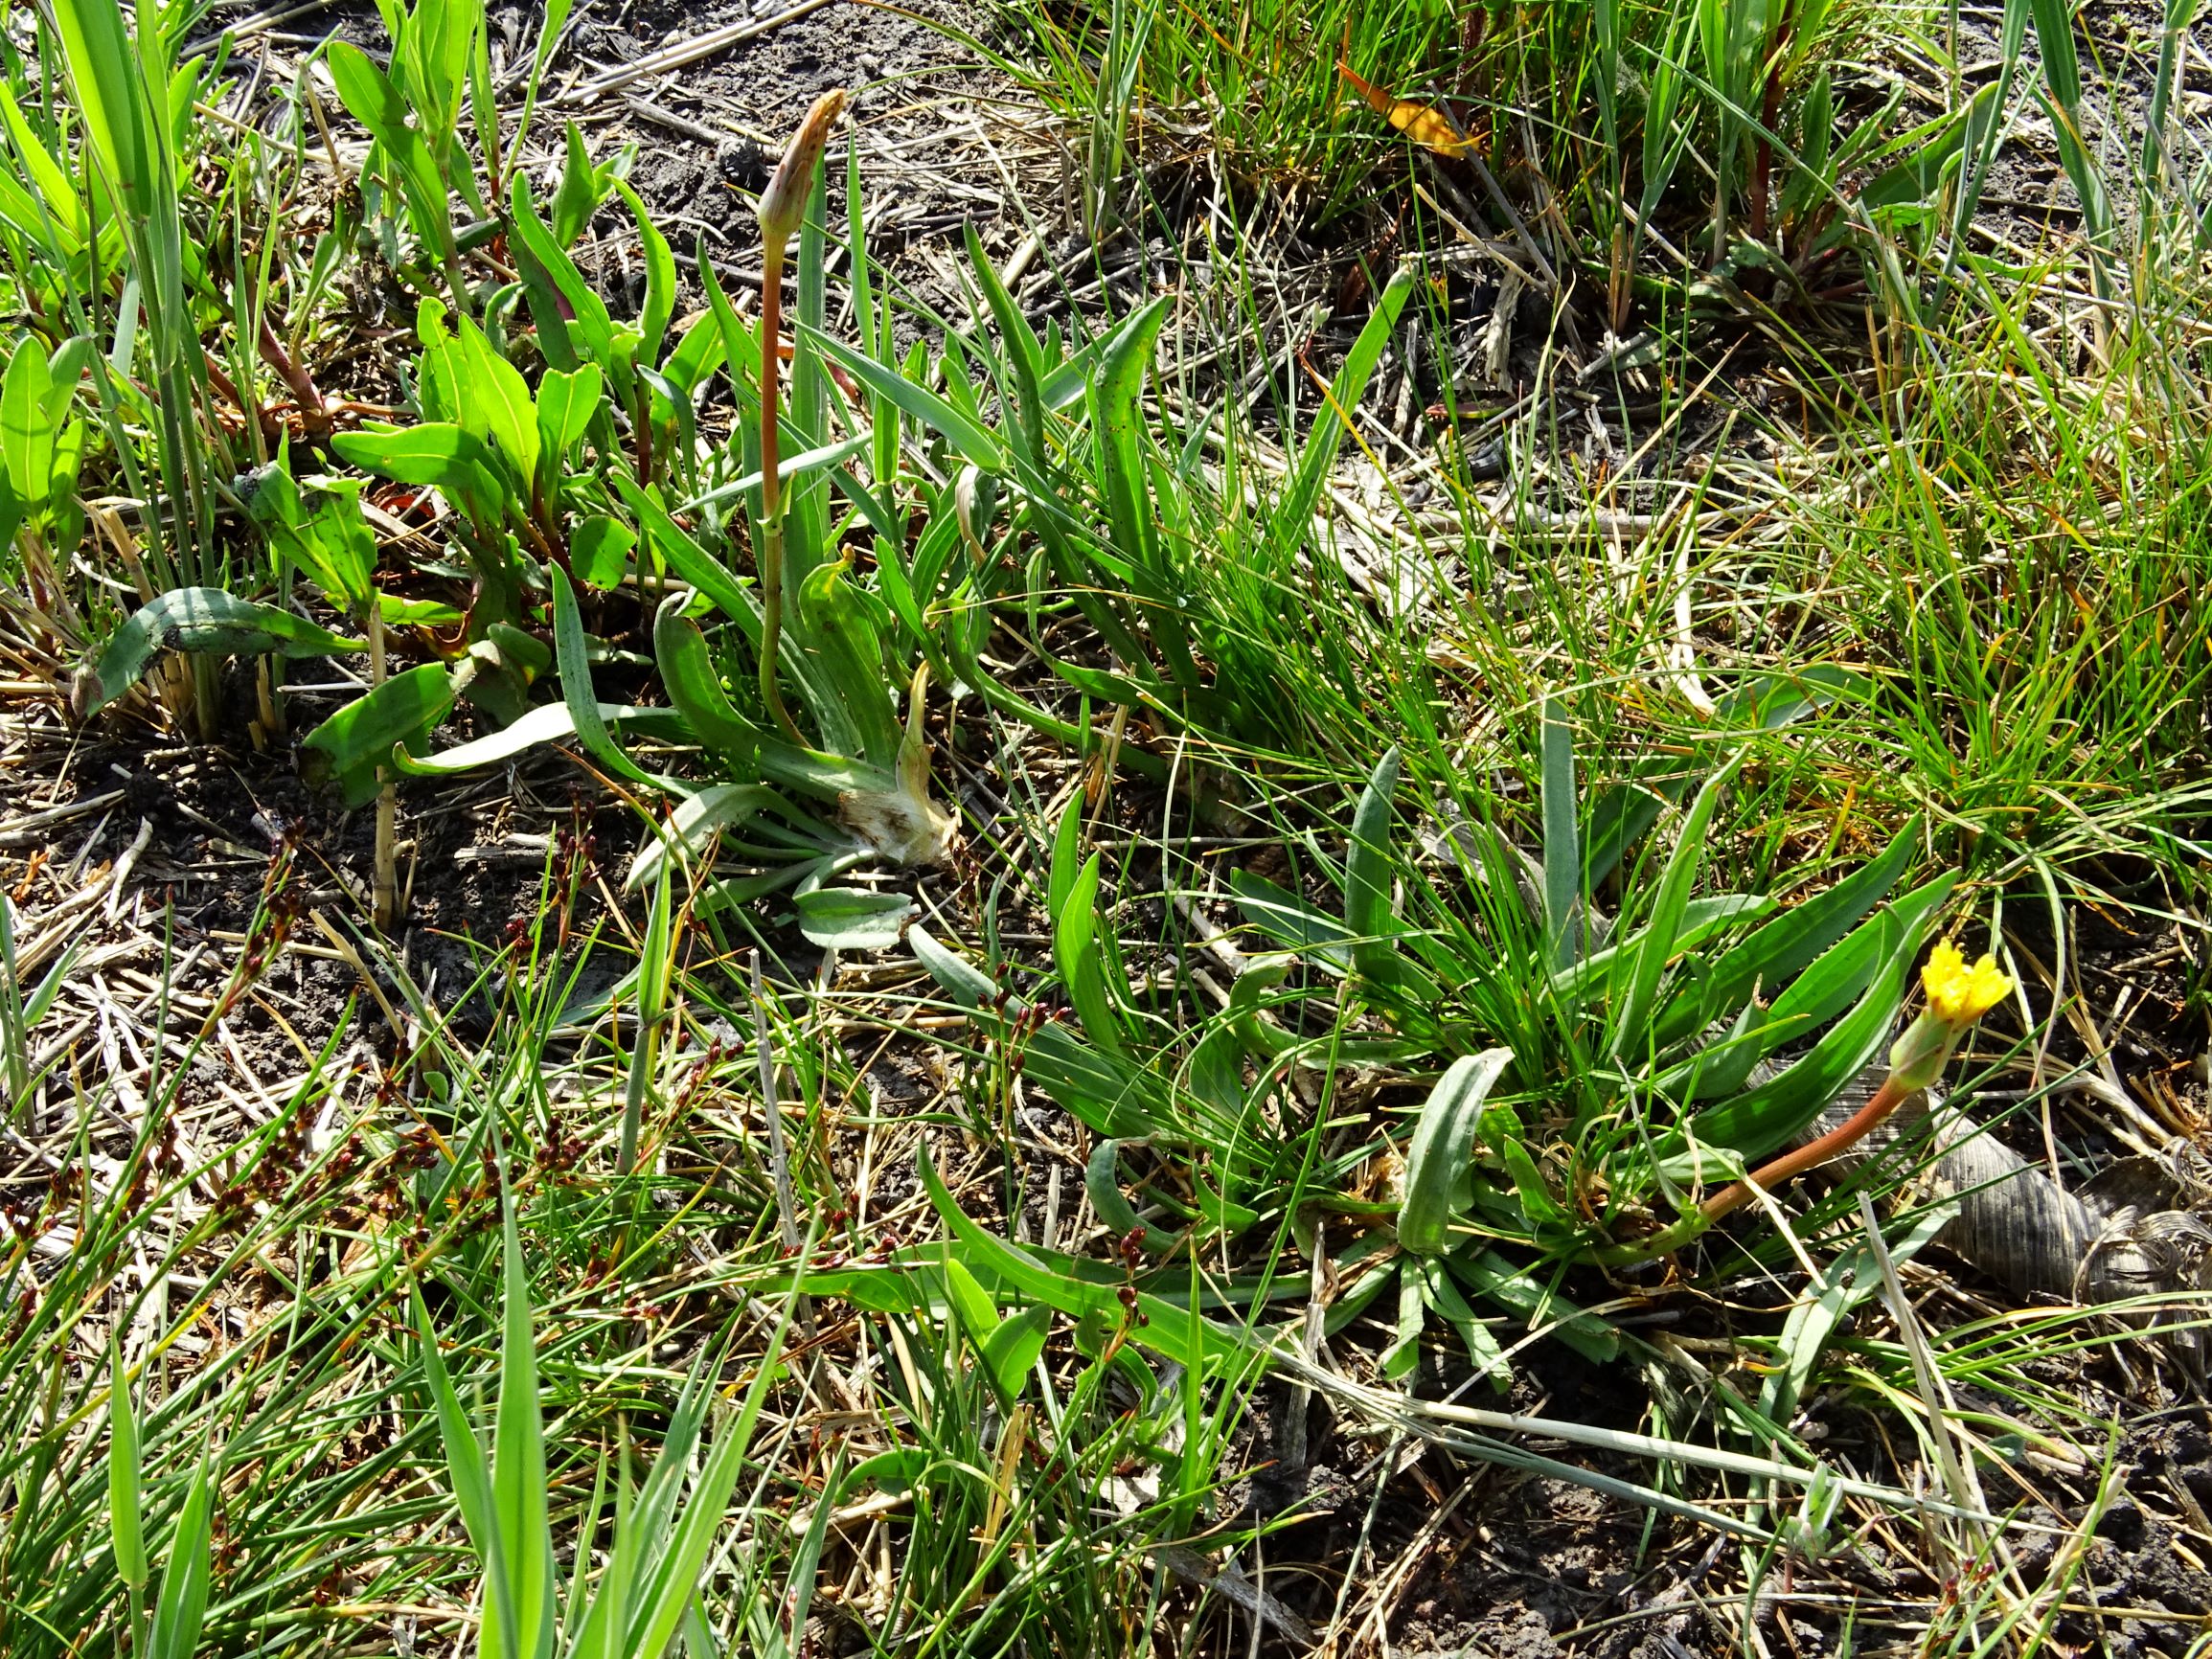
x,y
355,746
1769,959
566,403
28,424
1121,381
691,830
1076,958
1767,1118
572,653
598,551
1369,912
495,399
1290,922
841,635
372,101
1177,1332
687,670
1562,863
660,277
205,620
178,1613
1018,347
1632,1011
553,283
1441,1159
518,1489
684,555
1490,1274
547,723
439,454
853,918
321,531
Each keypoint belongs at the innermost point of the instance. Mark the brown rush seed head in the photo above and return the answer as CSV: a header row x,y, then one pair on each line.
x,y
783,203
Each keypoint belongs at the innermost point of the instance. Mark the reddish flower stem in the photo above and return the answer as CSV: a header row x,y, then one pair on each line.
x,y
1790,1164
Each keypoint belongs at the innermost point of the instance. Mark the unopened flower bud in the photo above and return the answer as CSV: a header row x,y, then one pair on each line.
x,y
783,203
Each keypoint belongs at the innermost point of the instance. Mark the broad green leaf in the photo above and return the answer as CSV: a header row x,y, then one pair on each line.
x,y
205,620
1772,957
1440,1158
1634,1009
840,630
371,97
1102,1183
598,551
124,1469
1444,1298
1012,1351
691,561
1075,956
552,279
1019,342
1490,1274
1765,1118
1317,457
970,1304
582,187
1369,912
1121,379
687,670
566,402
1066,854
518,1488
496,399
320,530
572,653
355,746
27,429
968,984
540,725
853,918
660,277
110,92
437,454
1563,865
1402,1352
1166,1329
1287,920
692,828
697,355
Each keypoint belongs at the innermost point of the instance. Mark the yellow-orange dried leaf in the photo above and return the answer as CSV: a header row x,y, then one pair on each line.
x,y
1423,123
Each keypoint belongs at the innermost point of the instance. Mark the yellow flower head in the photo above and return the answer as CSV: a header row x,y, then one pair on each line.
x,y
1957,994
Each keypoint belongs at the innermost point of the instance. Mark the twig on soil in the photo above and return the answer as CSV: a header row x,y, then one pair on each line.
x,y
677,57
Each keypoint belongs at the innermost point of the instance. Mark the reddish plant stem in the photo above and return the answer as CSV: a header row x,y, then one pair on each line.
x,y
1790,1164
771,549
1769,113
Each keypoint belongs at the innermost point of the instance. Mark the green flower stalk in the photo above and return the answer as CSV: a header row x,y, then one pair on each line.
x,y
783,206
